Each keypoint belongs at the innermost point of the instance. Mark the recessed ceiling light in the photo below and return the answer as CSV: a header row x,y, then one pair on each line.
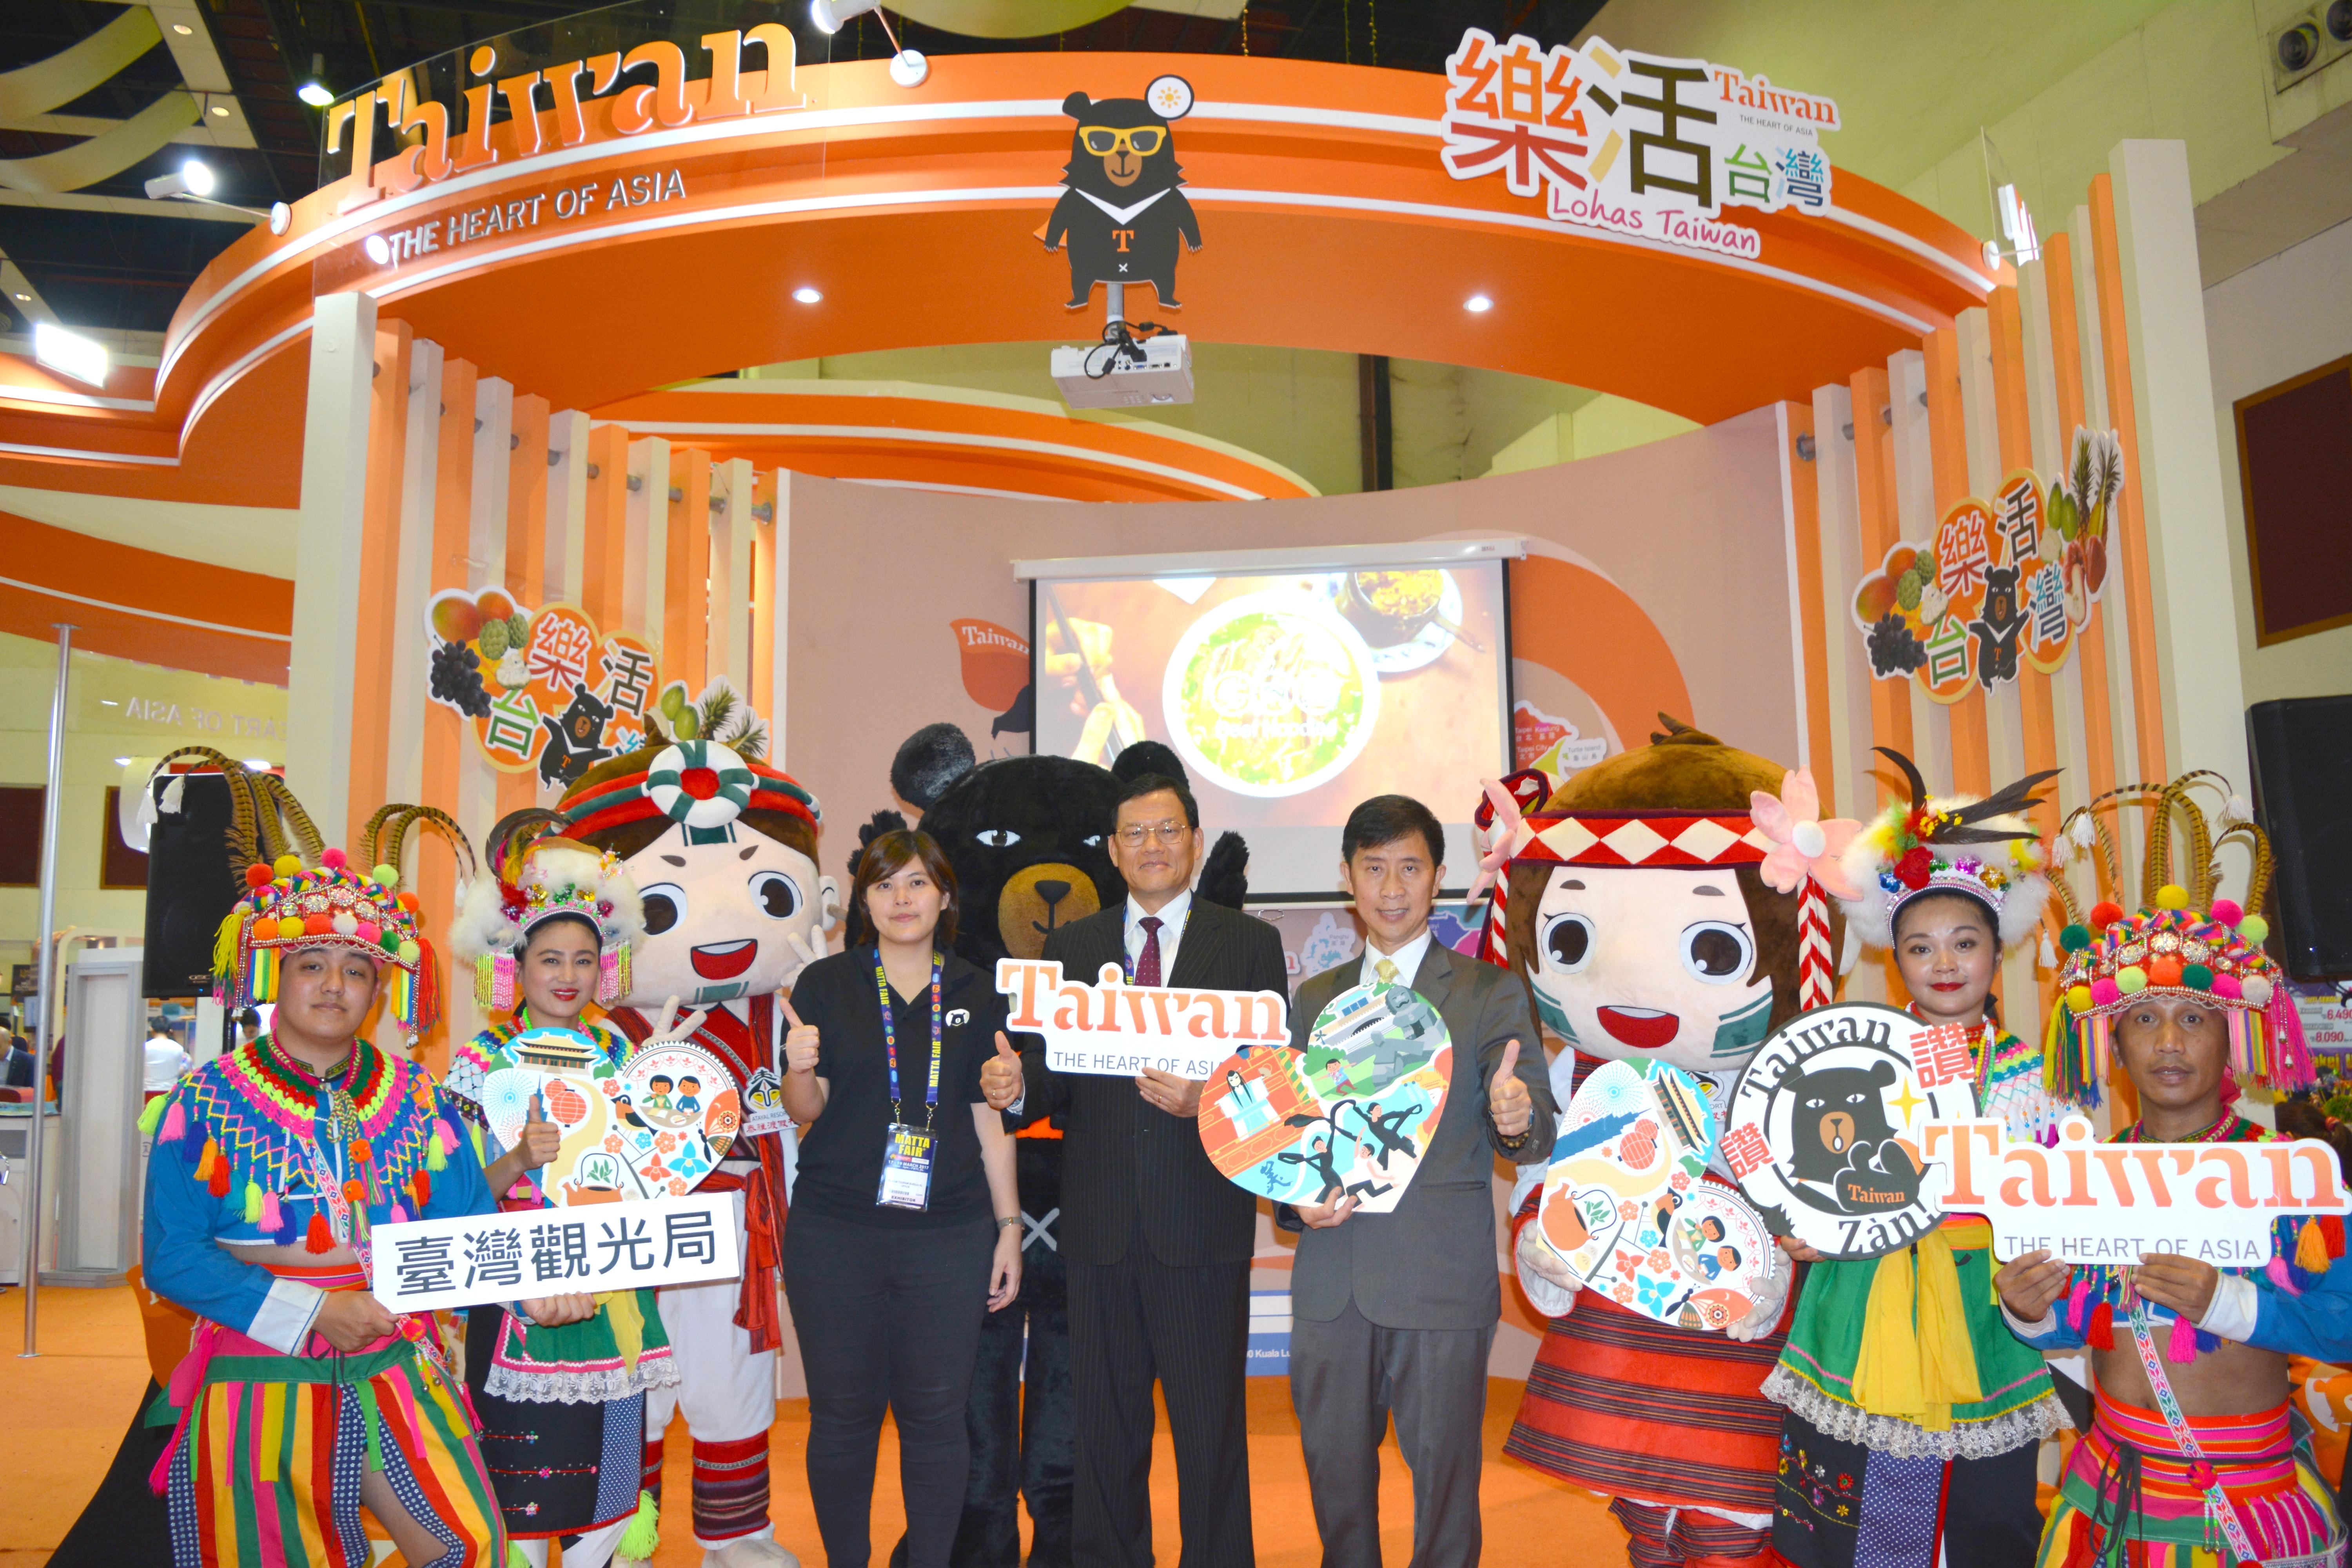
x,y
220,110
26,297
315,94
122,762
182,30
1477,304
806,295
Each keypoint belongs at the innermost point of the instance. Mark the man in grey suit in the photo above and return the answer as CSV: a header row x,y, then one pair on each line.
x,y
1393,1315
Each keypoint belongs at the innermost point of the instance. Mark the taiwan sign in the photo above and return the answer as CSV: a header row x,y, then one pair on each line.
x,y
1117,1029
1642,146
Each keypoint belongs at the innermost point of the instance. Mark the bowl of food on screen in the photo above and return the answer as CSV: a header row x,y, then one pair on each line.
x,y
1391,607
1271,694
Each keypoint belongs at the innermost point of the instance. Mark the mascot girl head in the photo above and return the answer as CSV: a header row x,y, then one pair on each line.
x,y
1671,902
723,850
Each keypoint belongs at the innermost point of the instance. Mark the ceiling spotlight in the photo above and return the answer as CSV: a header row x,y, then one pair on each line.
x,y
378,251
280,217
70,353
1477,304
806,295
220,111
829,15
315,94
182,30
27,299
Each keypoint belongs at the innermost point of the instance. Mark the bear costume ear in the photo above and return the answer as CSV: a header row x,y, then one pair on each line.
x,y
1076,105
1882,1073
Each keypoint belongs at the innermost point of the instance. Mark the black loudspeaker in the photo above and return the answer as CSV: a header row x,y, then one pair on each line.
x,y
191,884
2302,750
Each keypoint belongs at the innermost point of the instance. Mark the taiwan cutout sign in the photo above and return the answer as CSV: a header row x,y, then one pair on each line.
x,y
1634,143
2004,583
543,691
1117,1029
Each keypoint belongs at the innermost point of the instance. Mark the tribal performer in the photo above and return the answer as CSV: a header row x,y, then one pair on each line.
x,y
1910,1404
723,852
1665,904
302,1400
2190,1462
561,1396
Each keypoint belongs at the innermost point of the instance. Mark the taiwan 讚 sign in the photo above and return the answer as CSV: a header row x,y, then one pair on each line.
x,y
1114,1027
1641,145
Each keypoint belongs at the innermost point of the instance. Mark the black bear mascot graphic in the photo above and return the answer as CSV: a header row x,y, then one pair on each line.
x,y
1122,210
1029,840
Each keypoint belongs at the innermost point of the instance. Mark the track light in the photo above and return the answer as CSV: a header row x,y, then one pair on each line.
x,y
829,15
194,178
907,66
315,92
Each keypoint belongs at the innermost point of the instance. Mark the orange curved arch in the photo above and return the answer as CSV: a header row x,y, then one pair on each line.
x,y
1585,628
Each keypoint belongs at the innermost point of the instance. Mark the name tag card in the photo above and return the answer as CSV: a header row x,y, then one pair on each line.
x,y
1115,1028
434,1265
2107,1202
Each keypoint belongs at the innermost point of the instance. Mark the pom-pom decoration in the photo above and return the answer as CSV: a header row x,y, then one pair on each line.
x,y
2227,912
256,875
2197,977
385,876
2255,929
2105,913
2079,998
2225,986
2131,979
2172,895
288,865
2256,990
2075,937
332,859
2164,971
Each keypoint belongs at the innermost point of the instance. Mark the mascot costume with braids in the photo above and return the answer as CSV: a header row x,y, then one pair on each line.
x,y
1028,837
722,851
1663,906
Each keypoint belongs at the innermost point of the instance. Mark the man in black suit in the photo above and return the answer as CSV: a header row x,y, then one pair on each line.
x,y
1157,1243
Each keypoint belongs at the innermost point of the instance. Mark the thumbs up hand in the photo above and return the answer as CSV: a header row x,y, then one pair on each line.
x,y
541,1139
1507,1100
1001,1079
800,1043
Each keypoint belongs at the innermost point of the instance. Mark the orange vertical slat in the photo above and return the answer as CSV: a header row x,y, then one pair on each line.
x,y
2131,520
2091,646
371,697
607,530
763,591
686,603
1947,447
1805,493
2009,410
445,728
527,501
1873,490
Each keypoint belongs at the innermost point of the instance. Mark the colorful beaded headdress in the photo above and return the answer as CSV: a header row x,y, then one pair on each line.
x,y
291,907
534,876
701,785
2186,942
1951,844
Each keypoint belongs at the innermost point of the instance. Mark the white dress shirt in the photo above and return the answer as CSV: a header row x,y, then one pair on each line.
x,y
1171,916
1407,960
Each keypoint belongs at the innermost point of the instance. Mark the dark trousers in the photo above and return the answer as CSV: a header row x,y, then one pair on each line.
x,y
889,1318
1133,1322
1833,1494
1347,1376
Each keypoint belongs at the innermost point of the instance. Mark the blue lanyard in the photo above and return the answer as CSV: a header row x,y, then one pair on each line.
x,y
1127,958
891,1037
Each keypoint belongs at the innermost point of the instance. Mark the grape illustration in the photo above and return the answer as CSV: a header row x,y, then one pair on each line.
x,y
457,680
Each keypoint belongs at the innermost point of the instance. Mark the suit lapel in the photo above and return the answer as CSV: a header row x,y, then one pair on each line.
x,y
1435,978
1197,948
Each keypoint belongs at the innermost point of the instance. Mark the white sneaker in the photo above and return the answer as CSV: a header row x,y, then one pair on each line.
x,y
759,1551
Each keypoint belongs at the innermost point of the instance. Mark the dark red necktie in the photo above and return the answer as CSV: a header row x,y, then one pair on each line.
x,y
1147,966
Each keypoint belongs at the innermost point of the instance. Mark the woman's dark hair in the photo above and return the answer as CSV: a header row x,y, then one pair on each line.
x,y
883,859
582,922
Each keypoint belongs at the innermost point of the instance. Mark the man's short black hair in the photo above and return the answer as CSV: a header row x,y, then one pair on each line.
x,y
929,760
1152,784
1385,818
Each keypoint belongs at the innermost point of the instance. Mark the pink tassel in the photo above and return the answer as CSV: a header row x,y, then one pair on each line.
x,y
273,1215
399,1216
175,1122
2293,1068
2183,1349
448,1139
2275,1272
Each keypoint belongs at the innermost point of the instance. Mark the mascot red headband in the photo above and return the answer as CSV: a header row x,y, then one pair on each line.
x,y
700,785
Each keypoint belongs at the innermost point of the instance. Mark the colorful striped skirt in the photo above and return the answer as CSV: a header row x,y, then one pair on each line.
x,y
2127,1497
266,1468
1622,1403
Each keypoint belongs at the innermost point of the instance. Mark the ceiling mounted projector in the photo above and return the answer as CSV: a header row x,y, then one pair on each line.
x,y
1137,373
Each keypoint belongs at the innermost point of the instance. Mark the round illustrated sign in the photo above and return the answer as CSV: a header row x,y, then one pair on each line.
x,y
675,1114
1726,1252
1825,1130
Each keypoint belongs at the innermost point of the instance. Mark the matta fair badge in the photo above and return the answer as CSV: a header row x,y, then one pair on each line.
x,y
1627,1207
1350,1115
1827,1128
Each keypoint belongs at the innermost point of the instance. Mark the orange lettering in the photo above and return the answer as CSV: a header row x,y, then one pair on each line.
x,y
2118,1164
1072,1013
1161,1000
2237,1173
2037,1168
2324,1194
1123,236
2151,1165
2078,1177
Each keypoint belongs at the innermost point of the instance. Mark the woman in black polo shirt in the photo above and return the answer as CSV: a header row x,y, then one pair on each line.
x,y
905,1222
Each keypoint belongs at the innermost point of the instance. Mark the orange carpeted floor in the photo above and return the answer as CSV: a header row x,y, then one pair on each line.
x,y
62,1412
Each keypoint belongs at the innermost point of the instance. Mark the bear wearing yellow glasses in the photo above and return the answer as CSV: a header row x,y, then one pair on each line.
x,y
1122,212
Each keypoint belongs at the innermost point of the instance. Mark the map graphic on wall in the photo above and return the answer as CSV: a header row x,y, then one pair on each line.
x,y
1350,1116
